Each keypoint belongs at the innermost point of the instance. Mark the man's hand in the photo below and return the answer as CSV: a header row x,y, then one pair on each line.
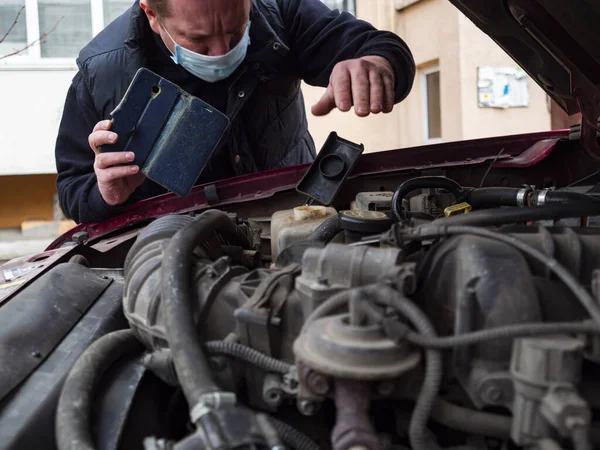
x,y
115,181
366,83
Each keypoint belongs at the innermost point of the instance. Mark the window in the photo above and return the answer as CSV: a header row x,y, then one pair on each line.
x,y
73,31
71,23
17,38
113,9
432,107
342,5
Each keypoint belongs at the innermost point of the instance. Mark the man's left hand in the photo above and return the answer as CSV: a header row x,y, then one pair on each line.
x,y
366,83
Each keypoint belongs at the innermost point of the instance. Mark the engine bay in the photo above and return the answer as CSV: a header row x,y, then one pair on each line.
x,y
435,316
428,316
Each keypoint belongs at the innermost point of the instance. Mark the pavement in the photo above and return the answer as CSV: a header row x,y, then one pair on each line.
x,y
31,238
14,245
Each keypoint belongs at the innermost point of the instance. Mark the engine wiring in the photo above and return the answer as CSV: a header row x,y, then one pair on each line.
x,y
400,332
248,355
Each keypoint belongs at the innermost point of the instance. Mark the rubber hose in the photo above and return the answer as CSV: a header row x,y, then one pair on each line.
x,y
162,228
73,416
505,216
291,437
579,291
327,230
247,354
191,363
568,197
481,423
505,332
504,196
493,197
485,424
422,183
433,370
471,421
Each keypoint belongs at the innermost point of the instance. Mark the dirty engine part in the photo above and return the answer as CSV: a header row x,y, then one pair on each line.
x,y
438,316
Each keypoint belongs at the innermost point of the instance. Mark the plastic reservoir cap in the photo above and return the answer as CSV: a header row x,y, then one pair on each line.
x,y
333,164
332,167
309,212
365,221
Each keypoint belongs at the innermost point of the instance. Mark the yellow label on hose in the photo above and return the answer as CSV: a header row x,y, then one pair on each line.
x,y
459,208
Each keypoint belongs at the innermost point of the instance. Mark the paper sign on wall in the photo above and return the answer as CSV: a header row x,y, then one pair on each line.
x,y
502,87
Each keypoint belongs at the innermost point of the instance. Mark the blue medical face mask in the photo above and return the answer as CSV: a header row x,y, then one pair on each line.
x,y
211,68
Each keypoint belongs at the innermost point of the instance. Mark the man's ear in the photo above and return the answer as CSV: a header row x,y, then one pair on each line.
x,y
151,15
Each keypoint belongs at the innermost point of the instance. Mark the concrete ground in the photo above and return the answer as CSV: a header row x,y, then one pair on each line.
x,y
14,245
18,242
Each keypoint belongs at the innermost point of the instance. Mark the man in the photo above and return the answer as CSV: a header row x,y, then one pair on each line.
x,y
244,57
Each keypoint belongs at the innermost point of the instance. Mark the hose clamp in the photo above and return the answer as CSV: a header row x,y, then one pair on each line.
x,y
211,401
522,196
541,197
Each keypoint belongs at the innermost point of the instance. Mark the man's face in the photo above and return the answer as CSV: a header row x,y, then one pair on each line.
x,y
209,27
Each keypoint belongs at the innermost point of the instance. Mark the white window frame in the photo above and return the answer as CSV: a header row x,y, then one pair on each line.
x,y
353,5
424,104
33,59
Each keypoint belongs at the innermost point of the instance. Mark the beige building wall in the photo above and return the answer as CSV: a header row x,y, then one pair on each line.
x,y
438,35
476,49
430,28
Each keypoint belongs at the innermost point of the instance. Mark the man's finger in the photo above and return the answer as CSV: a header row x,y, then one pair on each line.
x,y
100,138
342,88
325,104
390,93
136,180
111,174
103,125
377,92
361,91
109,159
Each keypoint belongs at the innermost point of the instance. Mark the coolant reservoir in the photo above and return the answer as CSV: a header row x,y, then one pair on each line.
x,y
296,224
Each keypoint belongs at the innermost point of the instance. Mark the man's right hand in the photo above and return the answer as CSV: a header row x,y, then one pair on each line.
x,y
115,181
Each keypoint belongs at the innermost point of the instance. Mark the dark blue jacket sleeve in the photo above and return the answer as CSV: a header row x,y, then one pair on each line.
x,y
321,38
78,192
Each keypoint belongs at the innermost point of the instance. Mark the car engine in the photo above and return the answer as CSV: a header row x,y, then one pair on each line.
x,y
435,316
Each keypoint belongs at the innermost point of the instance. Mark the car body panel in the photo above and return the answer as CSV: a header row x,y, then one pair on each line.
x,y
263,185
510,152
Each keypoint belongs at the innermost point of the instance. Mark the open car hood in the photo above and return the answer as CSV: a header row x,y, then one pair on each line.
x,y
555,41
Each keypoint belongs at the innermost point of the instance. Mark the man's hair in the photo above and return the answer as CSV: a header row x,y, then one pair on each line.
x,y
160,7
